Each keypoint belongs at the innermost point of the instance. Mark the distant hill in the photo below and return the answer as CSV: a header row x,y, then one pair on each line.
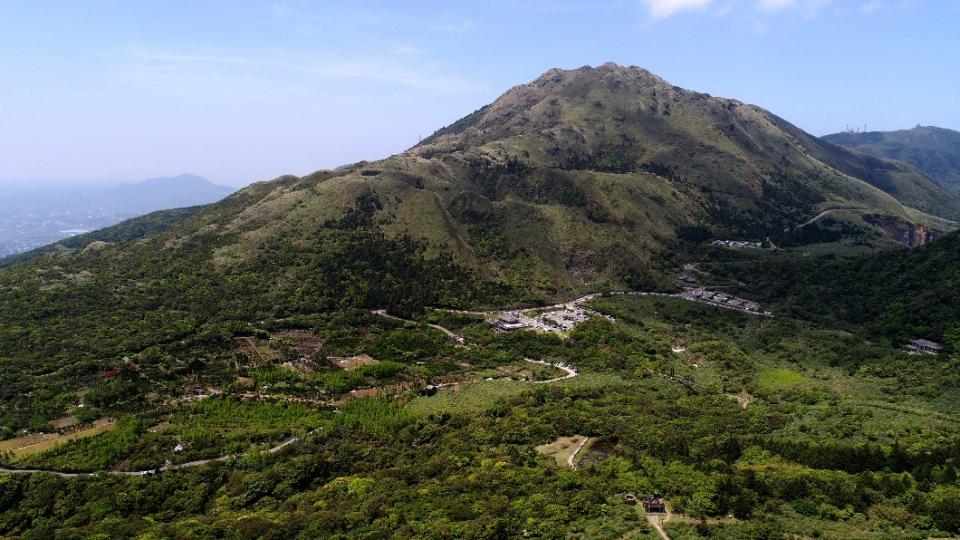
x,y
165,193
34,216
933,150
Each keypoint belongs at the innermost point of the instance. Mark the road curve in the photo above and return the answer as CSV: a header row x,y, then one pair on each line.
x,y
570,372
822,214
455,337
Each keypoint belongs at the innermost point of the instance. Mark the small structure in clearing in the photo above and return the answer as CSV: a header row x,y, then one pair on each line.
x,y
654,505
508,321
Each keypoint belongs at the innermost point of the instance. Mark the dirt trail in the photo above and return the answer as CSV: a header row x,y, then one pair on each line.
x,y
822,214
657,520
572,460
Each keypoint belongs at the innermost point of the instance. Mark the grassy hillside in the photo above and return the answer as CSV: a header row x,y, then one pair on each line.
x,y
933,150
584,179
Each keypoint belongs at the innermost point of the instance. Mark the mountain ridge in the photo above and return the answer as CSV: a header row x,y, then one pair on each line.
x,y
933,150
580,179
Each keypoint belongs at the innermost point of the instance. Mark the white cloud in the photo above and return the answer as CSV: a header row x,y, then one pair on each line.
x,y
409,50
661,9
871,6
775,5
284,71
808,8
725,9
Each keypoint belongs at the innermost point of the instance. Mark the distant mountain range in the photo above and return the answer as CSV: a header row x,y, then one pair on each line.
x,y
933,150
34,216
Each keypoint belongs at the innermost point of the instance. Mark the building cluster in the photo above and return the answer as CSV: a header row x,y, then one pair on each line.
x,y
736,244
924,346
720,299
654,505
557,321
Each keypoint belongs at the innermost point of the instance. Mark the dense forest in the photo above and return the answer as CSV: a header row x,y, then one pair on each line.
x,y
899,296
828,442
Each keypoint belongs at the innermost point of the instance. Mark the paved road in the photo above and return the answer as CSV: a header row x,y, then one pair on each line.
x,y
175,467
570,372
455,337
820,215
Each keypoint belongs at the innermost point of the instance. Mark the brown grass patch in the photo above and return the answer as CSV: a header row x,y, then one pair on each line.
x,y
351,363
38,442
560,449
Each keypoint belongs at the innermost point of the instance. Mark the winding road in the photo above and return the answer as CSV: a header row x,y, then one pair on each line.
x,y
570,372
455,337
147,472
820,215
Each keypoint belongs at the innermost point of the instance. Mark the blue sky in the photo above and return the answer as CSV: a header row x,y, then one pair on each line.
x,y
242,90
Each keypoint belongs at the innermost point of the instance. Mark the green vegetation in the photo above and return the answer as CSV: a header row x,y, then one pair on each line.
x,y
245,340
898,296
779,378
829,442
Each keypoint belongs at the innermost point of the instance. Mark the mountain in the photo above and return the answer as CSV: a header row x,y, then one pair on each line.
x,y
36,216
582,176
252,367
581,179
163,193
933,150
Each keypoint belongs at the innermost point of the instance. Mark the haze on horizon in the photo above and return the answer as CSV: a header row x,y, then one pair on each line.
x,y
241,91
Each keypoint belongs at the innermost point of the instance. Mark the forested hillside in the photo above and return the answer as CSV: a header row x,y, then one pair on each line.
x,y
899,295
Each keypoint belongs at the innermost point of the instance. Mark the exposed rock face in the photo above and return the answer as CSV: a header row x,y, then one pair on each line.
x,y
910,234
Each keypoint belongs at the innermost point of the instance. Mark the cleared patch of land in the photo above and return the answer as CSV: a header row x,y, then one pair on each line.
x,y
351,363
563,450
36,443
471,398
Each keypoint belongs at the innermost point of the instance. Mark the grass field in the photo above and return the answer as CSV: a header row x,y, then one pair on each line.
x,y
779,378
471,398
480,396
